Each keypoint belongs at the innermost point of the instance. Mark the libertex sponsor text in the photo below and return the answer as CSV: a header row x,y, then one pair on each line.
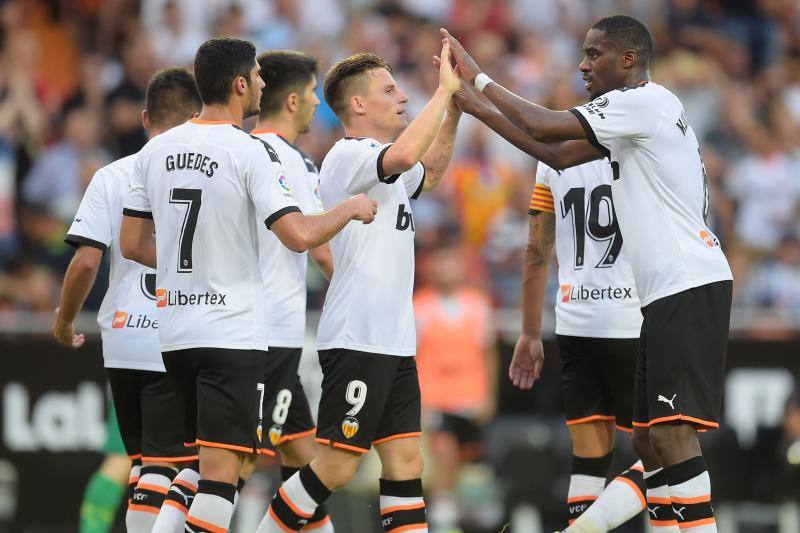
x,y
579,293
165,297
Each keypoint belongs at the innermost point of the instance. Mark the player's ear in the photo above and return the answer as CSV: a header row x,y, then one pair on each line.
x,y
146,119
239,85
292,102
357,105
629,59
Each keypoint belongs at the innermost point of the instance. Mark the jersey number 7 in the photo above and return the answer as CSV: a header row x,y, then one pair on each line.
x,y
191,198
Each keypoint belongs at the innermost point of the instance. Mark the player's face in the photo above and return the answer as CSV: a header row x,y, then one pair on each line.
x,y
308,105
601,66
385,102
253,103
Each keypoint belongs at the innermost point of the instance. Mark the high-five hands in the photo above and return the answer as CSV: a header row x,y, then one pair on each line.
x,y
448,77
467,67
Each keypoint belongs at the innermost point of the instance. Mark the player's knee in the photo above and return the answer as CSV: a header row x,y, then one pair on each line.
x,y
641,442
404,463
668,439
334,467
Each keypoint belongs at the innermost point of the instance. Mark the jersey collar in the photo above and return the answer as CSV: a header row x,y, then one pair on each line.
x,y
210,122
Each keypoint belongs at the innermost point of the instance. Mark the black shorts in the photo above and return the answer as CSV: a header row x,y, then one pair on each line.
x,y
468,434
141,399
286,409
367,399
598,377
222,392
680,372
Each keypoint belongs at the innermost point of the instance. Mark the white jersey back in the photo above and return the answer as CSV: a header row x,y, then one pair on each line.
x,y
128,325
597,294
369,305
660,190
208,186
284,271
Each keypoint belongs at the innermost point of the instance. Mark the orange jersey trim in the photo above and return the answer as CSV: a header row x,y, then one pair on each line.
x,y
398,436
663,523
697,421
209,122
329,442
233,447
588,497
659,501
143,508
319,523
179,506
299,512
411,527
593,418
408,507
295,436
695,523
206,525
635,489
183,459
278,521
154,488
688,501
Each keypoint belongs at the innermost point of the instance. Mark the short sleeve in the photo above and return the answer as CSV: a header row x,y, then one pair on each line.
x,y
92,224
620,114
542,197
365,165
268,187
313,180
414,180
137,204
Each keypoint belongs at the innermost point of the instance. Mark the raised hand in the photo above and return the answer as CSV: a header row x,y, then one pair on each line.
x,y
470,101
448,77
526,364
467,66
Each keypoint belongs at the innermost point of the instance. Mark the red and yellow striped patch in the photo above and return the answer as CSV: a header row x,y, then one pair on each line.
x,y
542,199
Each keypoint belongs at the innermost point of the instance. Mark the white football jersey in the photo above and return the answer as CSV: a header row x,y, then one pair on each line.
x,y
208,186
597,294
368,306
660,189
127,316
284,271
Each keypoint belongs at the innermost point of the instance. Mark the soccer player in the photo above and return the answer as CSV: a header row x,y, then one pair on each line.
x,y
597,320
370,391
287,110
682,278
203,188
139,386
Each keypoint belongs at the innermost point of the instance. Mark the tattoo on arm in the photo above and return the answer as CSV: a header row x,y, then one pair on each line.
x,y
543,235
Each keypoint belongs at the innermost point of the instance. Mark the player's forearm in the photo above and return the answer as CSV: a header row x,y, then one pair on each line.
x,y
417,138
316,230
437,158
534,272
323,258
556,155
78,281
544,125
143,253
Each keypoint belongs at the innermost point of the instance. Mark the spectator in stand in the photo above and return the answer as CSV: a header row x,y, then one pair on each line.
x,y
775,283
457,371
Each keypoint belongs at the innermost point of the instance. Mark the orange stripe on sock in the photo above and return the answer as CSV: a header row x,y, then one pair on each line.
x,y
185,484
695,523
143,508
574,499
700,499
402,508
177,505
205,525
638,468
292,506
635,489
410,527
663,523
659,501
154,488
398,436
278,521
317,524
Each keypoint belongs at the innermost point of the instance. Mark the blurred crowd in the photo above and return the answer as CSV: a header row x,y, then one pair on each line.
x,y
73,74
